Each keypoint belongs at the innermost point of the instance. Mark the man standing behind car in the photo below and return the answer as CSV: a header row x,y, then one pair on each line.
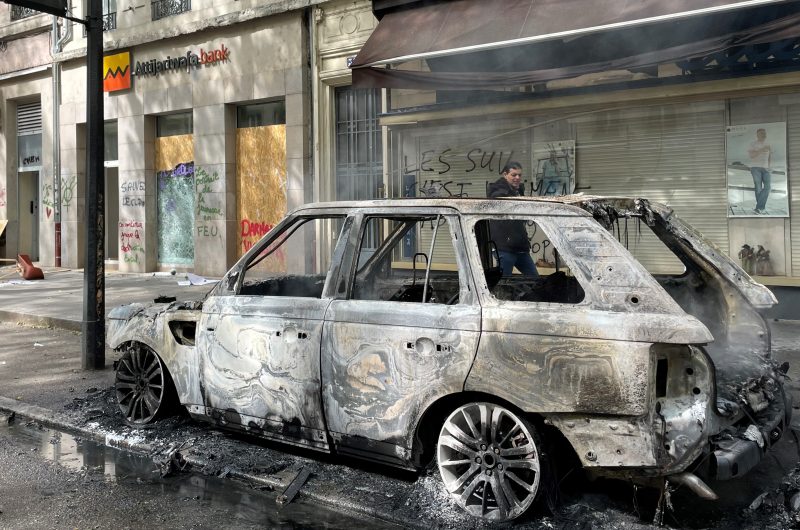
x,y
511,237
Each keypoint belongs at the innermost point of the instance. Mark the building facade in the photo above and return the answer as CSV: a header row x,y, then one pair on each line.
x,y
207,111
233,113
685,131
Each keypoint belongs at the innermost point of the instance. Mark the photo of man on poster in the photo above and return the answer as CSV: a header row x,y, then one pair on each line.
x,y
555,168
756,170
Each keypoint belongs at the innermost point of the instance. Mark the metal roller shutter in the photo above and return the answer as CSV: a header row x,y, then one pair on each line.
x,y
672,154
793,151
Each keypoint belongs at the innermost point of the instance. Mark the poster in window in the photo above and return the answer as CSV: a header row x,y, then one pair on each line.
x,y
555,167
756,169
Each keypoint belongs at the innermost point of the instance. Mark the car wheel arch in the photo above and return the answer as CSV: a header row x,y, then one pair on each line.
x,y
431,420
172,403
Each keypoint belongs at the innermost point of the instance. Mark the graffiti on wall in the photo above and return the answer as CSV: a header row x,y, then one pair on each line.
x,y
68,185
260,186
252,231
475,160
131,193
206,210
131,241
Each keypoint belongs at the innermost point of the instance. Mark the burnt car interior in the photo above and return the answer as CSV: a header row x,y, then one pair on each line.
x,y
553,285
413,262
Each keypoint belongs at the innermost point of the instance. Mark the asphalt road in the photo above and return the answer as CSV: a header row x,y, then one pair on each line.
x,y
54,480
42,367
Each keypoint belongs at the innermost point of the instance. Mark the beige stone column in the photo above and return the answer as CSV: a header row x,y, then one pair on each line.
x,y
215,186
138,210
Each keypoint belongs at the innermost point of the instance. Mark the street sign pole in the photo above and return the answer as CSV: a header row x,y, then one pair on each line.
x,y
93,325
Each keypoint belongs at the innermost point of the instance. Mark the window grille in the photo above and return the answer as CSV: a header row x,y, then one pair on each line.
x,y
19,12
167,8
359,154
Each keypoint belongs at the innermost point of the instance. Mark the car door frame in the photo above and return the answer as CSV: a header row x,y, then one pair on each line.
x,y
297,323
359,363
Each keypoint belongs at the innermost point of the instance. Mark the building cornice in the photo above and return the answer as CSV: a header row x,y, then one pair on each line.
x,y
177,30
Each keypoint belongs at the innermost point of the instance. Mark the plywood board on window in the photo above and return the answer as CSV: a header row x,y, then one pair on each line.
x,y
260,185
173,150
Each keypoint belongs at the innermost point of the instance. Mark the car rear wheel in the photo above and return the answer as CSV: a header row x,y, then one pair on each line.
x,y
143,386
489,459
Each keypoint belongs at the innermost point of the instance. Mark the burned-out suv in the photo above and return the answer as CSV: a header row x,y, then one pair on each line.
x,y
386,330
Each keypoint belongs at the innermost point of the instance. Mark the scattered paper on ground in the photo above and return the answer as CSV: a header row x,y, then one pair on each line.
x,y
194,279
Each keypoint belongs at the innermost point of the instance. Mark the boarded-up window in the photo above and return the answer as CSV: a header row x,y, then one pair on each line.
x,y
260,170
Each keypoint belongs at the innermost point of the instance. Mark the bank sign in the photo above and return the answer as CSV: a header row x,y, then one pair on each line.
x,y
117,69
187,62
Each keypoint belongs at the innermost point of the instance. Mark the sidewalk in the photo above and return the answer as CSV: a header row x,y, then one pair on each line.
x,y
57,301
40,360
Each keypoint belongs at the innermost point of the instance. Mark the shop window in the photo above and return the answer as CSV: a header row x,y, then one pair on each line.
x,y
284,265
176,190
174,124
29,136
261,114
110,140
359,152
514,274
408,259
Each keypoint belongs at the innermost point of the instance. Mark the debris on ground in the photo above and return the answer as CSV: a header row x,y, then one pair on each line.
x,y
171,461
294,487
596,504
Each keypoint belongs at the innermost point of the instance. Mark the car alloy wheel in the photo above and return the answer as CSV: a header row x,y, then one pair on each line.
x,y
489,461
141,385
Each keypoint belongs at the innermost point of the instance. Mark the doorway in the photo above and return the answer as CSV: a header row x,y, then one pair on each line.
x,y
28,201
112,213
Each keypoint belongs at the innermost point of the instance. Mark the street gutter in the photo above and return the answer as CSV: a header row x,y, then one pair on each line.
x,y
55,420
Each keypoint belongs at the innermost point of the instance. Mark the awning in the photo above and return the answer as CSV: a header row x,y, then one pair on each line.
x,y
491,44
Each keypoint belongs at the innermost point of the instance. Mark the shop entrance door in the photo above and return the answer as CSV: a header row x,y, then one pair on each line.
x,y
29,214
112,214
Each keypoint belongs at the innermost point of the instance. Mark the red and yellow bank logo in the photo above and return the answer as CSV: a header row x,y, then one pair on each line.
x,y
117,72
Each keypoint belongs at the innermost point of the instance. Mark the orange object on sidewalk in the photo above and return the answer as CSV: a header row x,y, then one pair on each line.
x,y
26,268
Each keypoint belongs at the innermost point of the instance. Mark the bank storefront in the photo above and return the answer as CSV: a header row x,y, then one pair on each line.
x,y
208,133
720,145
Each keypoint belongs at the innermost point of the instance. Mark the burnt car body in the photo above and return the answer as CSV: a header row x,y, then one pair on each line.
x,y
385,330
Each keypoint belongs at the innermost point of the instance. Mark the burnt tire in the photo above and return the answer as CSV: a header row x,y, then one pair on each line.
x,y
489,458
144,389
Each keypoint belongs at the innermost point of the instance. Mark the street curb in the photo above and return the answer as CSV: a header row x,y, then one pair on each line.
x,y
13,317
55,420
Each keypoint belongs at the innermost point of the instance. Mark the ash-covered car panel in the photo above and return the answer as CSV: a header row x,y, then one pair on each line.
x,y
380,375
369,328
150,325
259,364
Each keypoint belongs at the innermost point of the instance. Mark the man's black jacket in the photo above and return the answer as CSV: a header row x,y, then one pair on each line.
x,y
509,236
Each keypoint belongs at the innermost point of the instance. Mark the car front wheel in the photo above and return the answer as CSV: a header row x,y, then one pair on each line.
x,y
490,462
143,386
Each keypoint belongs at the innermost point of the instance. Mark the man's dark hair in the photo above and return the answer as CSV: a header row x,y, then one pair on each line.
x,y
511,165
